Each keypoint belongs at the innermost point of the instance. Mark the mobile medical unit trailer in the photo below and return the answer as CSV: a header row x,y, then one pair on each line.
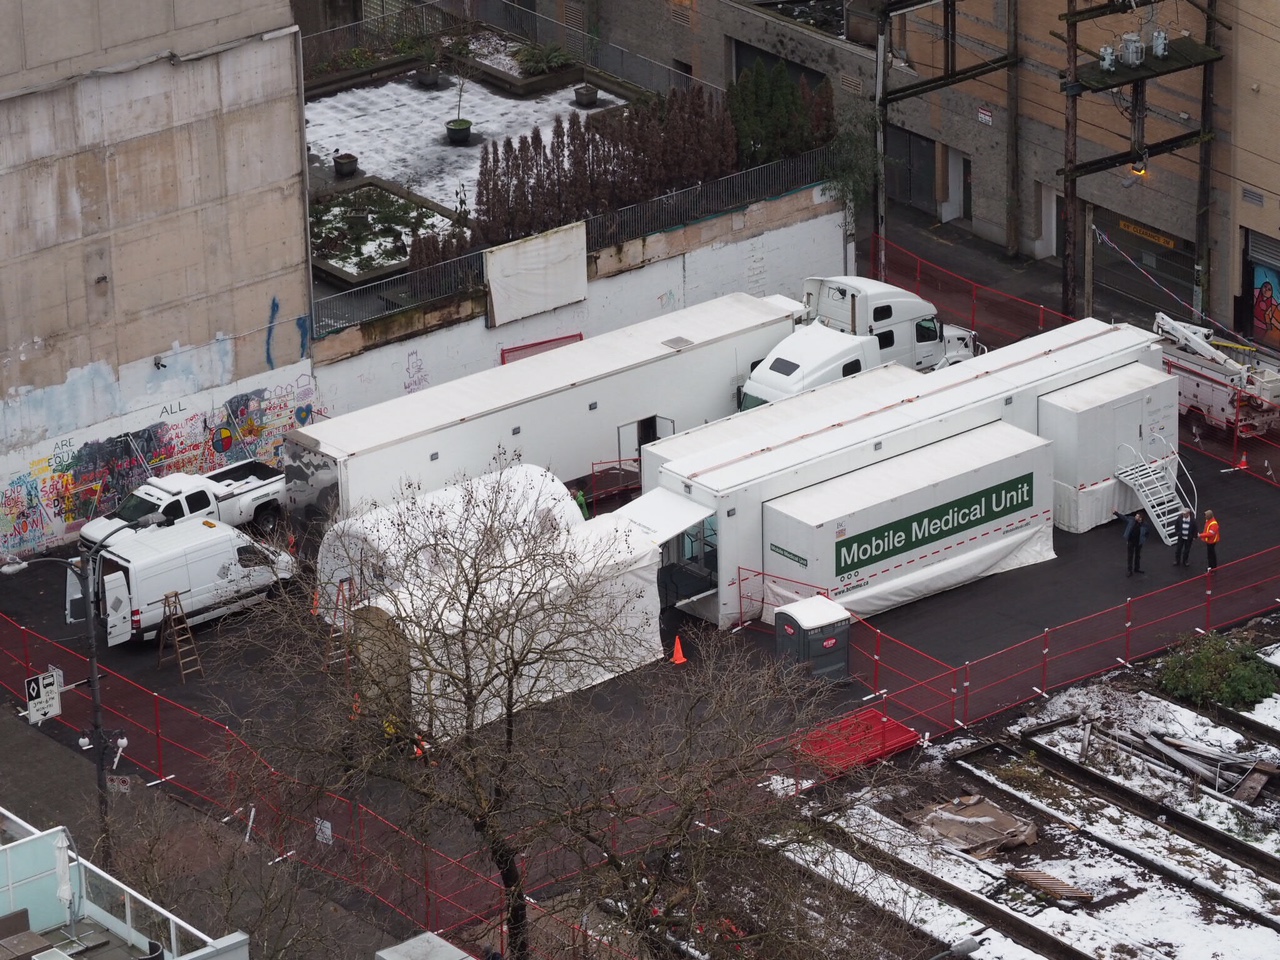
x,y
732,468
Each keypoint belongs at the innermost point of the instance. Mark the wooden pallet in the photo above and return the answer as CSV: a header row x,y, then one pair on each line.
x,y
1047,883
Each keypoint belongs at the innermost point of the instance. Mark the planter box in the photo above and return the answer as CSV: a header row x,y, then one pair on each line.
x,y
346,79
519,86
345,279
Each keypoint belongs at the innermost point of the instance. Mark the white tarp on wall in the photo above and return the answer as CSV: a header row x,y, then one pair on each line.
x,y
537,274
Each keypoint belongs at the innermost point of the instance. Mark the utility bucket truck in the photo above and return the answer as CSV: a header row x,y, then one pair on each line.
x,y
855,324
1214,389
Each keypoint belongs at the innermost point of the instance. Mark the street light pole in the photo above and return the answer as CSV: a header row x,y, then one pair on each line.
x,y
86,574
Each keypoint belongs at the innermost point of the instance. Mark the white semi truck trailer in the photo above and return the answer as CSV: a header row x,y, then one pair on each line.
x,y
721,497
597,400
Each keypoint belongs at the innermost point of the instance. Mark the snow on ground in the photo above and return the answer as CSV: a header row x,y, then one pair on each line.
x,y
1133,911
1141,839
1142,713
397,130
924,912
1267,712
1271,654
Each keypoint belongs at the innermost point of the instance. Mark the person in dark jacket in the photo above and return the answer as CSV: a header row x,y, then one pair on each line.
x,y
1184,532
1135,535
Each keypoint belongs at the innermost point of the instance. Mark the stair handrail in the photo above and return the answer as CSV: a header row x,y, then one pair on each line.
x,y
1191,499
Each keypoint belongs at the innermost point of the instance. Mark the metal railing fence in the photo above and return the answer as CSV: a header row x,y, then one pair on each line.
x,y
465,274
349,46
382,298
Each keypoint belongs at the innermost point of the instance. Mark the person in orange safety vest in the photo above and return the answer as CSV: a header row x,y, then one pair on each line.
x,y
1211,535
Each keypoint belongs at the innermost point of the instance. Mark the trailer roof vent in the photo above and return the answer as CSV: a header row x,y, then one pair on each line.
x,y
1008,401
678,343
435,455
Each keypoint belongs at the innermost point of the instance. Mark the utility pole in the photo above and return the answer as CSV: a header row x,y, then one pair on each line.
x,y
1013,209
1200,292
882,121
1069,196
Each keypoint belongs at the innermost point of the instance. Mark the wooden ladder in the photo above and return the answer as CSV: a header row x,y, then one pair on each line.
x,y
174,627
337,651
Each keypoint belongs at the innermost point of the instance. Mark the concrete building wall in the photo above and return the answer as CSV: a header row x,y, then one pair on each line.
x,y
767,249
194,419
151,170
1248,162
971,120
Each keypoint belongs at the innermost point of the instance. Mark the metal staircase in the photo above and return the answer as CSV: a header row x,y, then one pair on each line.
x,y
1156,493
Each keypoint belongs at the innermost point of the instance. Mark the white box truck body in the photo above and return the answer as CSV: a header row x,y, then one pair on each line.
x,y
594,401
937,517
1099,424
731,468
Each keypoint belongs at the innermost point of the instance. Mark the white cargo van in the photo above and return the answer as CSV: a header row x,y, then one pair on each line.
x,y
214,568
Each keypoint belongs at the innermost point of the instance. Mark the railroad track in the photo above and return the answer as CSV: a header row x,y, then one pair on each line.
x,y
1157,866
1010,924
1180,823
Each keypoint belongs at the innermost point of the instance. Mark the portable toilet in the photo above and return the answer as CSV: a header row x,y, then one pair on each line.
x,y
814,631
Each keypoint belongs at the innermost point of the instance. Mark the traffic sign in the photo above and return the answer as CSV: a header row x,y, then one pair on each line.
x,y
117,784
44,700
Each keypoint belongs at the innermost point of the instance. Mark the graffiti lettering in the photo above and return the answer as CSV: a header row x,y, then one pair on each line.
x,y
74,481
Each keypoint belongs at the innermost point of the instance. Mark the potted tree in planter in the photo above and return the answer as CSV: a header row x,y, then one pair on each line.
x,y
459,128
428,72
585,95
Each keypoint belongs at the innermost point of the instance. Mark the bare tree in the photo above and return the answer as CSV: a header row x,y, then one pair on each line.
x,y
459,611
473,630
174,854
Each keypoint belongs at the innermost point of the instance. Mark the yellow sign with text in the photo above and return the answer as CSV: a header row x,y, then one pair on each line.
x,y
1146,233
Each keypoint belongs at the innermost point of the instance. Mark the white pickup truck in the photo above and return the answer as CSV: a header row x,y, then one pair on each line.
x,y
246,492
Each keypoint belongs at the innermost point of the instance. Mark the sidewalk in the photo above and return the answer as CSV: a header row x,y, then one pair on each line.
x,y
954,248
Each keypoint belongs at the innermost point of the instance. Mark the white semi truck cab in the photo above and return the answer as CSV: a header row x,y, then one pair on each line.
x,y
855,324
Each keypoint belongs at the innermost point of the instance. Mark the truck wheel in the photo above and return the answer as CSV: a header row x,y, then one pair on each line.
x,y
267,520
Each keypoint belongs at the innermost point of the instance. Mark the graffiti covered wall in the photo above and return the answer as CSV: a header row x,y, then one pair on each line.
x,y
51,488
1266,307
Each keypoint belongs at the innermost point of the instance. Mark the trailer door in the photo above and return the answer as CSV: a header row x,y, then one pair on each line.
x,y
633,436
1129,444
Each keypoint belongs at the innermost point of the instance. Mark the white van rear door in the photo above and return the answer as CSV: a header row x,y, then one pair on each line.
x,y
75,599
115,600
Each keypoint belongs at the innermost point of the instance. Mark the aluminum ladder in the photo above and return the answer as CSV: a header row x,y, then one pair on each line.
x,y
1156,493
174,627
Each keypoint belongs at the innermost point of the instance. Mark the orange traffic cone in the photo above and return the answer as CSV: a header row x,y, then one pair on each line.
x,y
677,655
1244,461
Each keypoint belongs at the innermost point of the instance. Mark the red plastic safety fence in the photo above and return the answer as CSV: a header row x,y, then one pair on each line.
x,y
998,318
933,698
349,841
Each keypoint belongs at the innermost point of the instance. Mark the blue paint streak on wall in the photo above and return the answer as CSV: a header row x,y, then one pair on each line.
x,y
271,329
304,335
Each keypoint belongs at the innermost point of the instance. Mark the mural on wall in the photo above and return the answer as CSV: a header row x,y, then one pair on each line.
x,y
1266,308
70,481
